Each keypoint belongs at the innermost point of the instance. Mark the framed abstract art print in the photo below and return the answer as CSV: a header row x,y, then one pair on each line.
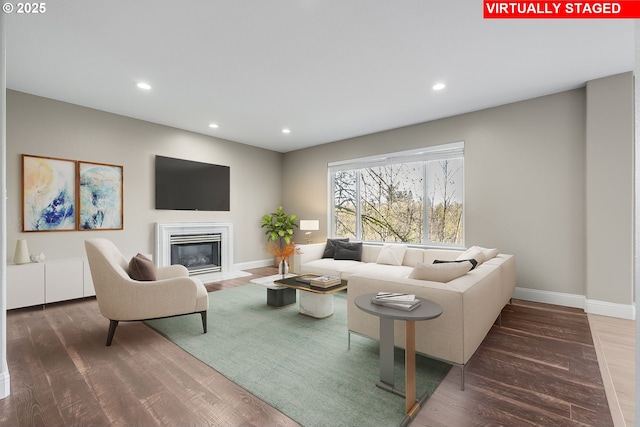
x,y
100,196
48,194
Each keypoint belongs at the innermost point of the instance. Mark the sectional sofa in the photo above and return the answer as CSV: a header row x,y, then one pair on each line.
x,y
471,293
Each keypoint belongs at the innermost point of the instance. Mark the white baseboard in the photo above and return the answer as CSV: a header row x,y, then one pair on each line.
x,y
5,382
219,276
254,264
236,271
623,311
604,308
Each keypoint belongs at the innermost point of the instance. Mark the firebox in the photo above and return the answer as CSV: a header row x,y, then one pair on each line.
x,y
200,253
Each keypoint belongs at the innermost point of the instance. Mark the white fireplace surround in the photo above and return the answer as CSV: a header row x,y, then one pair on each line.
x,y
164,231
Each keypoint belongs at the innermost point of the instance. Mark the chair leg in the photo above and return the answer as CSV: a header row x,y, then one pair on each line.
x,y
204,320
113,324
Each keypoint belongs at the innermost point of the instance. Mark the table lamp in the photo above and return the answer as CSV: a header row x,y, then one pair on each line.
x,y
308,225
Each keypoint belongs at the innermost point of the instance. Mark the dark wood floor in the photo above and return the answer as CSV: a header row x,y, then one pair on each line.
x,y
538,369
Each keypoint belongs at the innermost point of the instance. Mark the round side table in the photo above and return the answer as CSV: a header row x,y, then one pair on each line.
x,y
425,311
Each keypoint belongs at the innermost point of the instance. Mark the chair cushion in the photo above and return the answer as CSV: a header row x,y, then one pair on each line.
x,y
142,268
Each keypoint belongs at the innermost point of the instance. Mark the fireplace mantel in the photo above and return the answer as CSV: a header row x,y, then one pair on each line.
x,y
164,231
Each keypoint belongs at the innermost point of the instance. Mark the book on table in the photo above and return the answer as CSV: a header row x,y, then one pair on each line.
x,y
305,278
325,281
400,301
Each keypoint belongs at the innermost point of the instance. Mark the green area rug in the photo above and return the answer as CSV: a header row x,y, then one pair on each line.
x,y
297,364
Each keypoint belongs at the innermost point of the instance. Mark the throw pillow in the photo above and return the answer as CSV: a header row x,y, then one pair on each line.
x,y
142,268
445,272
472,253
391,254
330,247
473,262
348,251
488,253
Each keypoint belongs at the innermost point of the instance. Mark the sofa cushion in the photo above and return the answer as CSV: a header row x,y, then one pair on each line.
x,y
330,247
348,251
391,254
443,272
142,268
378,270
331,267
473,262
413,256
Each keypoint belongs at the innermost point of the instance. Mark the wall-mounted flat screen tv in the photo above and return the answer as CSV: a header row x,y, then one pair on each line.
x,y
188,185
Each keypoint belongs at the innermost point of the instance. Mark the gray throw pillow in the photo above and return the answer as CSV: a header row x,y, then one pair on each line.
x,y
348,251
330,247
142,268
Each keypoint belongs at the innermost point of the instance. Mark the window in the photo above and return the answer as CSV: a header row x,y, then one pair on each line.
x,y
412,197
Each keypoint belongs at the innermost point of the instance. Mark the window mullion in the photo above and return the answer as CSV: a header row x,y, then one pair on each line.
x,y
358,206
425,204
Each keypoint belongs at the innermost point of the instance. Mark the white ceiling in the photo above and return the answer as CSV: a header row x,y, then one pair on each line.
x,y
326,69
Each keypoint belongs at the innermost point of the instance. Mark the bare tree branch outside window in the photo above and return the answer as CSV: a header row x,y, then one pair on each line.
x,y
391,203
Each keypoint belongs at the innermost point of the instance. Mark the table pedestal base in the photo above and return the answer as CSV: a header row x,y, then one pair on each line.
x,y
427,310
391,389
412,406
316,305
280,297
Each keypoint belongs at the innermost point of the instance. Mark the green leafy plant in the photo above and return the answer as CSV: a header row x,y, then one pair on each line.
x,y
279,226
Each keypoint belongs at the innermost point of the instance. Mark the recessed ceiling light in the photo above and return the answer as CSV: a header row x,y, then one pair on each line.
x,y
438,86
144,86
213,125
285,130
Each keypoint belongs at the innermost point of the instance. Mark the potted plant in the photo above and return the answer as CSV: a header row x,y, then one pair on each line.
x,y
278,227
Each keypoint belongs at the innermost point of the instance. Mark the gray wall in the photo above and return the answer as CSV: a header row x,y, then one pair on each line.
x,y
609,188
45,127
524,183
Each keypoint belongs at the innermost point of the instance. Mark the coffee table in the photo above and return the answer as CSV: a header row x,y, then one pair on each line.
x,y
314,301
277,295
425,311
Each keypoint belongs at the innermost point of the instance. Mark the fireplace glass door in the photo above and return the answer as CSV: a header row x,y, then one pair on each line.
x,y
199,253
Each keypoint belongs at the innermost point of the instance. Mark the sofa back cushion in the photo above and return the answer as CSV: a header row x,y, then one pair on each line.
x,y
413,256
370,253
391,254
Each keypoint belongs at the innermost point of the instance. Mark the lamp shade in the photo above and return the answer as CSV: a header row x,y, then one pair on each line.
x,y
309,224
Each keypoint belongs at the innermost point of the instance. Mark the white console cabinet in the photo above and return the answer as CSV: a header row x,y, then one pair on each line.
x,y
89,290
47,282
25,285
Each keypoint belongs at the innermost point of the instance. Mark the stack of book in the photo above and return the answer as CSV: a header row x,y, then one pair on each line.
x,y
325,281
405,302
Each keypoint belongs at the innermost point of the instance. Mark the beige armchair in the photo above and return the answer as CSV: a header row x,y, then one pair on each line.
x,y
122,299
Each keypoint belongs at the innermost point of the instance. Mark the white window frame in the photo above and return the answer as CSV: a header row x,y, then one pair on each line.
x,y
454,150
